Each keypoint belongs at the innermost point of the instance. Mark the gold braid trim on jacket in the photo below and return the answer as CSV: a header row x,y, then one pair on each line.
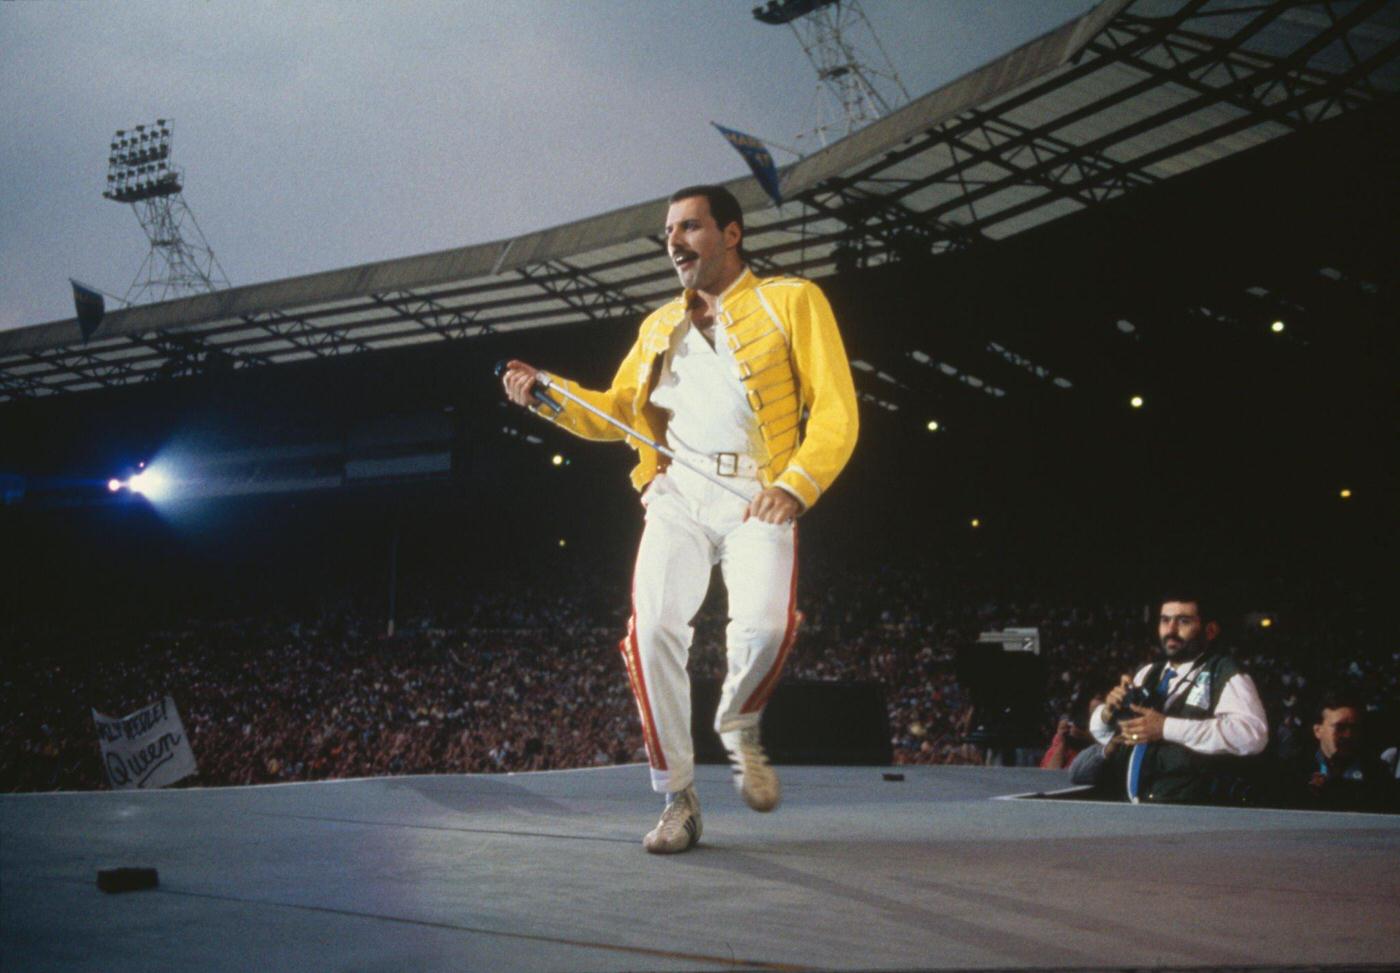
x,y
788,356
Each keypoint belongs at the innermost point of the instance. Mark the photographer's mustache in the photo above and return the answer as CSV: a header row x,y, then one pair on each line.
x,y
1173,643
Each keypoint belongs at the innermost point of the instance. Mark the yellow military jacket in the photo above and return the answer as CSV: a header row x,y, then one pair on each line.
x,y
788,355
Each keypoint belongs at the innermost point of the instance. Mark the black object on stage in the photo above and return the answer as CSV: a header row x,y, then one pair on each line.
x,y
127,879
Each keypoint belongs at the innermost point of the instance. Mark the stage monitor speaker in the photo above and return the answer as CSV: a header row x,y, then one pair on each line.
x,y
832,723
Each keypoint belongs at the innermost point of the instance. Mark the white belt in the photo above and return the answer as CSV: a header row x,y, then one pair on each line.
x,y
723,464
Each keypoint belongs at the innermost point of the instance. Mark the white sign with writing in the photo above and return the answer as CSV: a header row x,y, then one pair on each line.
x,y
146,749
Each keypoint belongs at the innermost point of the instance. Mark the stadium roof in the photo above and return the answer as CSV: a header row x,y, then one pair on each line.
x,y
1130,94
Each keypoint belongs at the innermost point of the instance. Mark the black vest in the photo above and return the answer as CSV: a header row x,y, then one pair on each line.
x,y
1174,774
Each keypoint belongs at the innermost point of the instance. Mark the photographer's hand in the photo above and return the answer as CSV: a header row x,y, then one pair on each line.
x,y
1145,728
1113,702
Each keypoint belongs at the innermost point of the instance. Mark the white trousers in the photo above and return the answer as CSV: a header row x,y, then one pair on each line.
x,y
692,525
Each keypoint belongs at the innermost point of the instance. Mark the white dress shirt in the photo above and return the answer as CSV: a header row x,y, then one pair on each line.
x,y
700,389
1239,725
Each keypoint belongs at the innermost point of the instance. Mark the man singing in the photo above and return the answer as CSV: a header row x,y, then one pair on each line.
x,y
746,378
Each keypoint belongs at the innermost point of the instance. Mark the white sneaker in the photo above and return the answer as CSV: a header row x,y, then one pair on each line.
x,y
679,827
753,777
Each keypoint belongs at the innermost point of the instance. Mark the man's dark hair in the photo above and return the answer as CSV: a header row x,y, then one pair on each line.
x,y
1336,699
723,207
1185,595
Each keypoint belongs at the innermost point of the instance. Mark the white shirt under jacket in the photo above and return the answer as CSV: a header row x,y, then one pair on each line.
x,y
700,389
1239,726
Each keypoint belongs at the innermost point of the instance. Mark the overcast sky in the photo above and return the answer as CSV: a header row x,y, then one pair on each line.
x,y
321,135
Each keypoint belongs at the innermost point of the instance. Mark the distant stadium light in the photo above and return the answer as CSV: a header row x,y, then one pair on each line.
x,y
1136,402
557,460
1345,494
1276,327
976,521
933,425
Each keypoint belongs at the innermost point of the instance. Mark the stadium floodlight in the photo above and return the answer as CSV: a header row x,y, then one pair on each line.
x,y
1277,327
933,425
179,262
1136,402
155,483
851,73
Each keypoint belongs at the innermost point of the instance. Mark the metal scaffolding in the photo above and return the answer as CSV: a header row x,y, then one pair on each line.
x,y
855,76
140,174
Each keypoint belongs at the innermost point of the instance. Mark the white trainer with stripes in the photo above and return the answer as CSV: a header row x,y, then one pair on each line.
x,y
754,777
679,827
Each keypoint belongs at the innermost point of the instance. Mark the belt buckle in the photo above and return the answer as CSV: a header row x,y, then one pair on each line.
x,y
727,464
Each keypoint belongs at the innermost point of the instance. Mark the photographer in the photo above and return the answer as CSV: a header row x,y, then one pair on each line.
x,y
1181,730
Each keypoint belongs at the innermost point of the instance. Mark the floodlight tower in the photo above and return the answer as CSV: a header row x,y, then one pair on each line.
x,y
139,172
852,75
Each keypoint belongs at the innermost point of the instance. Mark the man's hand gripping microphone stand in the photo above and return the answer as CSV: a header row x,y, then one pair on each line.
x,y
545,382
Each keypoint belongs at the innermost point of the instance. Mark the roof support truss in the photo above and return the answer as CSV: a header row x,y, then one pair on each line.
x,y
323,341
445,322
596,300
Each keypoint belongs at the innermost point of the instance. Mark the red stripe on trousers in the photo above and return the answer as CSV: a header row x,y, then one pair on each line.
x,y
632,658
759,699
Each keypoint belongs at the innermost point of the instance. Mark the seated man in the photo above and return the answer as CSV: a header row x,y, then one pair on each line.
x,y
1180,730
1070,741
1340,774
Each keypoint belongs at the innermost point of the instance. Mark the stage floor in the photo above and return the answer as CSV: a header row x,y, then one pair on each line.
x,y
546,871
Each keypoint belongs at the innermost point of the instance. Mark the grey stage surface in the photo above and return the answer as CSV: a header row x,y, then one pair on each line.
x,y
546,871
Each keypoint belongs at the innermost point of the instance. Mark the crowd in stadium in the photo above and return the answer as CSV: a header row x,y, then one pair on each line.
x,y
525,676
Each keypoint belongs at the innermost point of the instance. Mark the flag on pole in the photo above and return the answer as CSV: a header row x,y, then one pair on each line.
x,y
89,306
758,157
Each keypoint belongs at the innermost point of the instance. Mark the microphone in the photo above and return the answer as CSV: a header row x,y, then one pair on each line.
x,y
536,390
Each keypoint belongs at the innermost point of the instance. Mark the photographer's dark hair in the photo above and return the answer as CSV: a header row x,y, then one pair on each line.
x,y
723,207
1187,594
